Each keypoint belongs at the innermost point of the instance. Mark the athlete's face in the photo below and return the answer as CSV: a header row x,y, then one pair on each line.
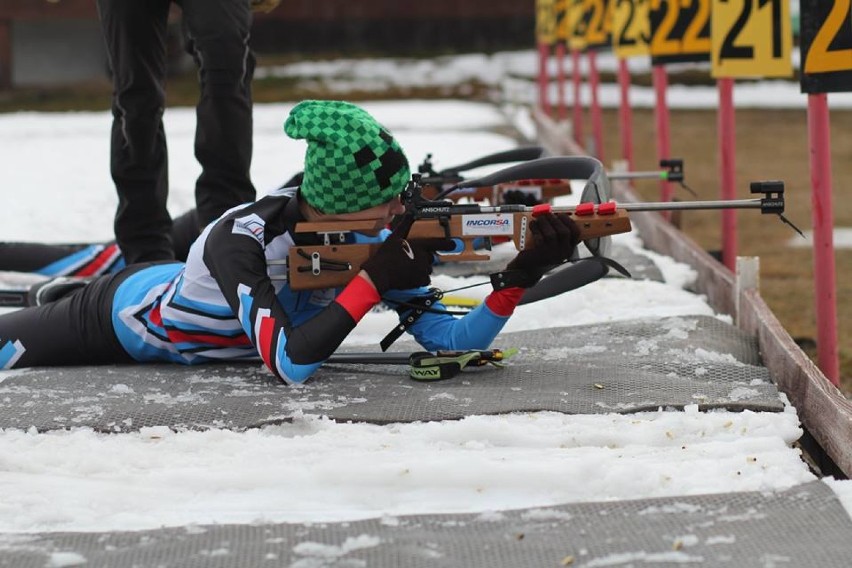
x,y
381,213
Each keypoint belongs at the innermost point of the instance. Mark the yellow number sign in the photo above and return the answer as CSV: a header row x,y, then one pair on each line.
x,y
577,24
599,30
545,22
631,28
751,38
680,30
562,31
826,36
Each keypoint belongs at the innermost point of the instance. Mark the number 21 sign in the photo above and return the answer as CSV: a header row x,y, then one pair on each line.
x,y
751,38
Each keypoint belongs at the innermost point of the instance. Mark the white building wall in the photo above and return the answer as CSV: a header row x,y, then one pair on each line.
x,y
53,52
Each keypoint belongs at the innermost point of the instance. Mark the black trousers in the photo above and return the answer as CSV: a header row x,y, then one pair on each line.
x,y
217,36
75,330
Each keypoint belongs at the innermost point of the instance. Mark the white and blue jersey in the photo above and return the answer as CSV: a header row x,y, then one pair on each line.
x,y
222,304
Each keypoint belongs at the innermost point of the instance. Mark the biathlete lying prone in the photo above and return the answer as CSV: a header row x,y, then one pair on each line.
x,y
221,303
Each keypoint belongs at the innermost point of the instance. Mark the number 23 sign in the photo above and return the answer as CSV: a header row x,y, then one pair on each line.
x,y
751,38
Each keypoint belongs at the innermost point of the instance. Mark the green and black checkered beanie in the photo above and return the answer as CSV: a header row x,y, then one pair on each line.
x,y
352,163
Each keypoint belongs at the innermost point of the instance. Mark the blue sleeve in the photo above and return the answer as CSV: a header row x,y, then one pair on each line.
x,y
475,330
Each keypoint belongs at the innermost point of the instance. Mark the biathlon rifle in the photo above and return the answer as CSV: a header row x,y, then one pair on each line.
x,y
335,262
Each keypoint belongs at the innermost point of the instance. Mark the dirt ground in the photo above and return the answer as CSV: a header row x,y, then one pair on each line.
x,y
770,144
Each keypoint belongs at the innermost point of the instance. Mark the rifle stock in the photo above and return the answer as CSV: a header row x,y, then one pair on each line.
x,y
334,265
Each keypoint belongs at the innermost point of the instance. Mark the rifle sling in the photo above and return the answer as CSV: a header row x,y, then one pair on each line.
x,y
419,306
499,281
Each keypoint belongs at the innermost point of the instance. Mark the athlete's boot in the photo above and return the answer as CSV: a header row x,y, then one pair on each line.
x,y
54,289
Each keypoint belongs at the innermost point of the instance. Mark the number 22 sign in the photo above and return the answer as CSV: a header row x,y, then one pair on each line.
x,y
751,38
680,30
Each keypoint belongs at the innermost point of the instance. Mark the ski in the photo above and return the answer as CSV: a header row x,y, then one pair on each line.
x,y
427,366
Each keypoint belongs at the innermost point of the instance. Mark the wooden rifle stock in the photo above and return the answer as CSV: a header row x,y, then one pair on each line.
x,y
335,263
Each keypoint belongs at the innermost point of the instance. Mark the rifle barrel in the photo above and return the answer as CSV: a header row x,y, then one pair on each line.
x,y
688,205
639,206
675,205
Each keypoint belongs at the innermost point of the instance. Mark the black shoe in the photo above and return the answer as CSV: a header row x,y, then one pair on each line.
x,y
54,289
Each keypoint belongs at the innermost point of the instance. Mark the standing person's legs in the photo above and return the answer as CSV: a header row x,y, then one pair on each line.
x,y
76,330
184,232
135,36
217,36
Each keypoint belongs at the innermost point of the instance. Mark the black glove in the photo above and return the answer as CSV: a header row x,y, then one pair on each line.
x,y
400,264
554,239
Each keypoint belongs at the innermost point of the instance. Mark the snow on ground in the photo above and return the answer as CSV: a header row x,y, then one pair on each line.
x,y
512,71
842,239
318,470
315,469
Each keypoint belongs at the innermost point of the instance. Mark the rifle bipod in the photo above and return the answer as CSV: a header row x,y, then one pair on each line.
x,y
426,366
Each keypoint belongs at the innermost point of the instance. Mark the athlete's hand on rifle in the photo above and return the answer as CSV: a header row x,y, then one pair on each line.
x,y
554,239
401,264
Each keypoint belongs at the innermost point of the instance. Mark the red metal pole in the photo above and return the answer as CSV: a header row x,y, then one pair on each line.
x,y
825,293
625,114
562,112
661,115
727,140
543,78
577,80
597,116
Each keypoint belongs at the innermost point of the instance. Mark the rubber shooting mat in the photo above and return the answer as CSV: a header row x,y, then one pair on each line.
x,y
640,266
803,526
623,367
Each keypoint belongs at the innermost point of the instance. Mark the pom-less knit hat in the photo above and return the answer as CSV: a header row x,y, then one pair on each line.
x,y
352,163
